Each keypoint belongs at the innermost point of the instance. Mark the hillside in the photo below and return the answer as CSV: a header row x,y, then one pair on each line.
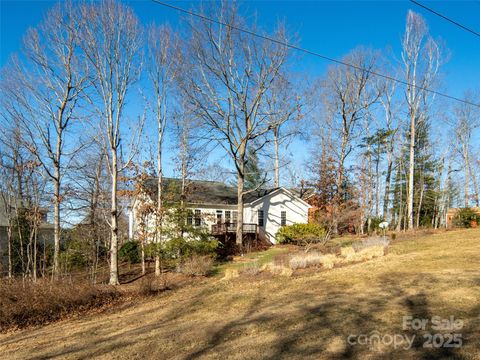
x,y
305,316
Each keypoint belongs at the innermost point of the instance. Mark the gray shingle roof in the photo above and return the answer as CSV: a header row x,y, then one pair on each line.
x,y
202,192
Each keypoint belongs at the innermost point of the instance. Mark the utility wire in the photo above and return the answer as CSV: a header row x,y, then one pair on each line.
x,y
446,18
310,52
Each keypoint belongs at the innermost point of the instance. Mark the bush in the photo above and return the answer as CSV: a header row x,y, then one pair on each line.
x,y
24,303
302,261
465,217
196,265
370,242
299,234
151,285
250,269
130,251
374,224
181,248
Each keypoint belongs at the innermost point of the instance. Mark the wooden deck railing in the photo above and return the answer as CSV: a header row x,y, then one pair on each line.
x,y
221,229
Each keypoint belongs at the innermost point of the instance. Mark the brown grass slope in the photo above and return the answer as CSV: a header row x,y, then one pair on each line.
x,y
307,316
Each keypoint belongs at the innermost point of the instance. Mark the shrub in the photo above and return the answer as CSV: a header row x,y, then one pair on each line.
x,y
72,259
370,242
150,285
302,261
197,265
181,248
250,269
374,223
24,303
464,218
130,252
301,234
277,269
328,261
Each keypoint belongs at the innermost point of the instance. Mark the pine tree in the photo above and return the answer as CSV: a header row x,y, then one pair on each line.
x,y
254,175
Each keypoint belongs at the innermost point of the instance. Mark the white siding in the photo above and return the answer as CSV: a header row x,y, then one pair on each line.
x,y
208,216
272,206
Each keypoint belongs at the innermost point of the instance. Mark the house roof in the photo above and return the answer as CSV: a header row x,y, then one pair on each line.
x,y
7,201
203,192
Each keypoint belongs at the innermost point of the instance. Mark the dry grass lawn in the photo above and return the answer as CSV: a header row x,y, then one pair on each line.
x,y
305,316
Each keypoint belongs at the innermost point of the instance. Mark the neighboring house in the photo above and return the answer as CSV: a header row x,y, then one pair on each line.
x,y
452,212
214,205
45,232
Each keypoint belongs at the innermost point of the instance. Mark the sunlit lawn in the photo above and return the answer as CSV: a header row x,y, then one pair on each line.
x,y
304,316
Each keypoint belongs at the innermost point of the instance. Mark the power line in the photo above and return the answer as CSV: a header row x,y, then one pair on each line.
x,y
310,52
446,18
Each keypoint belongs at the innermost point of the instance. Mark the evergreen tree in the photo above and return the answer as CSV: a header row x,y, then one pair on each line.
x,y
425,186
254,175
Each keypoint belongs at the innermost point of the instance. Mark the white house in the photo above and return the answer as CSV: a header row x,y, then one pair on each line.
x,y
214,205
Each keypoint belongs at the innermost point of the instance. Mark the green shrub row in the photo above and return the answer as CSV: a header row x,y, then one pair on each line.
x,y
298,233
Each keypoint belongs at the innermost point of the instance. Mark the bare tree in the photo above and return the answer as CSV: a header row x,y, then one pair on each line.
x,y
161,68
421,59
12,166
391,109
283,105
112,40
467,120
229,74
51,83
347,96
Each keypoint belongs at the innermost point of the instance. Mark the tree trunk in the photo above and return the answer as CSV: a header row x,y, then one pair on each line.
x,y
339,184
35,254
277,158
411,169
159,199
9,237
467,175
377,183
446,193
239,232
113,223
369,186
142,254
386,197
20,238
56,221
475,186
420,201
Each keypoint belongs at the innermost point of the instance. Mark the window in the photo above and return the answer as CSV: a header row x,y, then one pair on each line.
x,y
198,217
260,218
190,218
228,216
219,216
235,217
283,218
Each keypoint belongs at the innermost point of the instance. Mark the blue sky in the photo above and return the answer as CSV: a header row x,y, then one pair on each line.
x,y
332,28
329,27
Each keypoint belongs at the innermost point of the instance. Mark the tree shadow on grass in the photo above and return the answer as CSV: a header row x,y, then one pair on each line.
x,y
303,325
317,321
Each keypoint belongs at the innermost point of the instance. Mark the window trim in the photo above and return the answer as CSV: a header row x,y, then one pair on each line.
x,y
218,212
283,218
197,218
260,218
